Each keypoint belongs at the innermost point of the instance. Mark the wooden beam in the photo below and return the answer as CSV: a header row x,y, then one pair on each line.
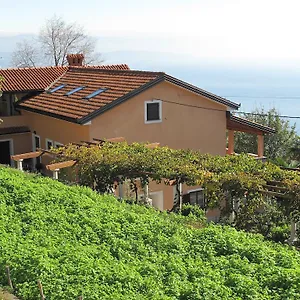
x,y
290,169
111,140
116,140
275,194
89,143
274,182
61,165
27,155
276,188
170,182
260,145
230,142
153,145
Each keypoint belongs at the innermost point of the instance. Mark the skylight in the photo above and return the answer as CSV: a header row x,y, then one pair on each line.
x,y
95,93
74,90
56,89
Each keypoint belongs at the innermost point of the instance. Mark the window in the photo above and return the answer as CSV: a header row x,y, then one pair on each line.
x,y
36,146
197,197
95,93
153,111
56,88
74,91
49,144
57,144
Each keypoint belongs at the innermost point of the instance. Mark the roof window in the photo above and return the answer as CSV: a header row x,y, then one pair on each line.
x,y
56,89
95,93
74,90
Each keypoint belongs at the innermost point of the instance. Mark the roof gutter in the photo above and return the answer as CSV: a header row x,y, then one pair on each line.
x,y
251,124
49,114
201,92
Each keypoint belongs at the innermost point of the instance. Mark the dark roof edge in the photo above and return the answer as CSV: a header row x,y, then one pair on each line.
x,y
201,92
159,79
49,114
21,91
121,100
252,124
22,129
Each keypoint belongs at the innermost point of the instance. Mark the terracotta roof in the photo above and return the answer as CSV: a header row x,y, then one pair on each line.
x,y
119,86
13,130
244,125
30,79
108,67
75,108
39,78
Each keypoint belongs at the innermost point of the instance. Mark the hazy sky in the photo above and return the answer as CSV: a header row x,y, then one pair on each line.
x,y
239,30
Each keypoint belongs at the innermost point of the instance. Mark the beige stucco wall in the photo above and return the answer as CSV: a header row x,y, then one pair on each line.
x,y
55,129
13,121
181,126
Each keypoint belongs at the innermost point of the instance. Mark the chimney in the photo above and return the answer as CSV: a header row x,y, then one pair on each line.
x,y
75,59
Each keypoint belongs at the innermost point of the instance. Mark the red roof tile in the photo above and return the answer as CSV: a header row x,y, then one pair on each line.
x,y
38,79
117,83
106,67
30,79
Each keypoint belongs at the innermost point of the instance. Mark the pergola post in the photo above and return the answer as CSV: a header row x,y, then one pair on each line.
x,y
232,214
260,145
120,189
230,142
20,164
147,200
146,191
180,196
55,174
293,237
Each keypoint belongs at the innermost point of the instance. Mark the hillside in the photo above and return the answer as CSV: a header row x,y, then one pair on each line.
x,y
80,243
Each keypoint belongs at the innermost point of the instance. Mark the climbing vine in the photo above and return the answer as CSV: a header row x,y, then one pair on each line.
x,y
229,182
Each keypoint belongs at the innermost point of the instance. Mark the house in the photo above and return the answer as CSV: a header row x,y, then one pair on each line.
x,y
21,83
84,103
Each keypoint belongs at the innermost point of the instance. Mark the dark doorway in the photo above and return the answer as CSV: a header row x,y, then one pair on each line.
x,y
5,152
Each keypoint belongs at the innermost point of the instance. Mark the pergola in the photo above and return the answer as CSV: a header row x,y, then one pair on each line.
x,y
235,123
274,188
56,167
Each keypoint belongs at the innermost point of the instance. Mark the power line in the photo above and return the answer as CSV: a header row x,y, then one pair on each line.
x,y
194,106
265,115
263,97
236,112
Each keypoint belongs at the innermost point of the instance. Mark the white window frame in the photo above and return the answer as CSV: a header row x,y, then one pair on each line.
x,y
11,149
35,149
33,141
57,144
197,190
49,141
160,111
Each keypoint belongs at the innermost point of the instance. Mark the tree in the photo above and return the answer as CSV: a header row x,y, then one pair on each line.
x,y
26,54
56,39
277,145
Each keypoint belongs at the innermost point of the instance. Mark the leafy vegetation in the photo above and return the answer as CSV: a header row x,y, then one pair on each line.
x,y
278,146
78,242
225,179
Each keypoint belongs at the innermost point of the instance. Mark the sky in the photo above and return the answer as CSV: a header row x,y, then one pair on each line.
x,y
261,32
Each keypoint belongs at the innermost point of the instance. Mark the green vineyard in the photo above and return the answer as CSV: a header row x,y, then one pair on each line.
x,y
80,243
